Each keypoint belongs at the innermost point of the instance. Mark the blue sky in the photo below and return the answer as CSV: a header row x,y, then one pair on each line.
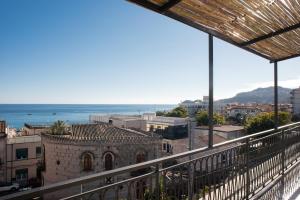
x,y
91,51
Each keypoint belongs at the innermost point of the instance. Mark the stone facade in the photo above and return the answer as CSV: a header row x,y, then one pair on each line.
x,y
23,156
95,148
2,157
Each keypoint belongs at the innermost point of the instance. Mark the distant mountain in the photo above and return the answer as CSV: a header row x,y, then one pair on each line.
x,y
260,95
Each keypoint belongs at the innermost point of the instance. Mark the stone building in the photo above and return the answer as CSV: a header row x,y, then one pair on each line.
x,y
23,156
20,158
93,148
2,157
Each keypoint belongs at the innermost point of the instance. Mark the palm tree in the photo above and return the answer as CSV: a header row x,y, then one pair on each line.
x,y
58,128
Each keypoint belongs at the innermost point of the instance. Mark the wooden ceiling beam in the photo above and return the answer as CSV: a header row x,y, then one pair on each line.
x,y
169,5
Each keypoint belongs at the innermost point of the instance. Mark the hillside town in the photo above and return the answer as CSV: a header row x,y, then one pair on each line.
x,y
43,154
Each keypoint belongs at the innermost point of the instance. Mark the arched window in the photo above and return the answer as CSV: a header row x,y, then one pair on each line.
x,y
87,162
108,161
140,158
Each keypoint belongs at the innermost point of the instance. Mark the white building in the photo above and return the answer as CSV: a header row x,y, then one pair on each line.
x,y
201,105
121,121
295,101
170,127
241,110
194,106
11,132
160,122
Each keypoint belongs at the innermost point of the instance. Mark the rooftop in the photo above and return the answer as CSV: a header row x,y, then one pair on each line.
x,y
217,139
228,128
223,128
24,139
103,132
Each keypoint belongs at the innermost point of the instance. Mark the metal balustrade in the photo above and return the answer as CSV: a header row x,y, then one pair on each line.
x,y
264,165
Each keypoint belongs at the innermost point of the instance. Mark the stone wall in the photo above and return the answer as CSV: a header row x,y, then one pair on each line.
x,y
2,157
64,158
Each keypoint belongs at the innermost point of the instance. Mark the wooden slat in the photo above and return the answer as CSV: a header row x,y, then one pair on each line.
x,y
266,28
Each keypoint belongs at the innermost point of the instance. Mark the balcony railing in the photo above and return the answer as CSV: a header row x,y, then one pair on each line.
x,y
264,165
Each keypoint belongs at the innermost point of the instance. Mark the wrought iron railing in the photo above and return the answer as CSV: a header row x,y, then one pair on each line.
x,y
264,165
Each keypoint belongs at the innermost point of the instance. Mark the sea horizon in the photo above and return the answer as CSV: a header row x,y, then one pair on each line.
x,y
17,114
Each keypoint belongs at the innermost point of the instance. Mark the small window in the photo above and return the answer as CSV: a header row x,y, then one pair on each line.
x,y
21,174
38,151
164,146
168,148
108,161
140,158
21,154
87,162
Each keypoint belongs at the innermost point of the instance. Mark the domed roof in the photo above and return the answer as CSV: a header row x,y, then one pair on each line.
x,y
104,132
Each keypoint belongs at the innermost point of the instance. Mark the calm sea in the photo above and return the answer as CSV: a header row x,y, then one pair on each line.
x,y
18,114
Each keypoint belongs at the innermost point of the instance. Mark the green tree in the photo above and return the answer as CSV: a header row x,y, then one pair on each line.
x,y
202,118
58,128
265,121
178,112
161,113
284,118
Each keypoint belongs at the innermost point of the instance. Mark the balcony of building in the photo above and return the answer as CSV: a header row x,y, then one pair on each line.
x,y
264,165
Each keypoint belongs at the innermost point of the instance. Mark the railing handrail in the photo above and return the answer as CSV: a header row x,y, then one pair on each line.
x,y
77,181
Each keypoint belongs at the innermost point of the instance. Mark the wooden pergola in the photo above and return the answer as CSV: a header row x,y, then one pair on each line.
x,y
267,28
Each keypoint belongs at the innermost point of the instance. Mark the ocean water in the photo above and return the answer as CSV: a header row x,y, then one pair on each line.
x,y
18,114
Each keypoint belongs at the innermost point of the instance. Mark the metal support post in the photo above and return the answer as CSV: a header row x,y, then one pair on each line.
x,y
275,95
157,191
190,170
211,91
282,163
248,182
